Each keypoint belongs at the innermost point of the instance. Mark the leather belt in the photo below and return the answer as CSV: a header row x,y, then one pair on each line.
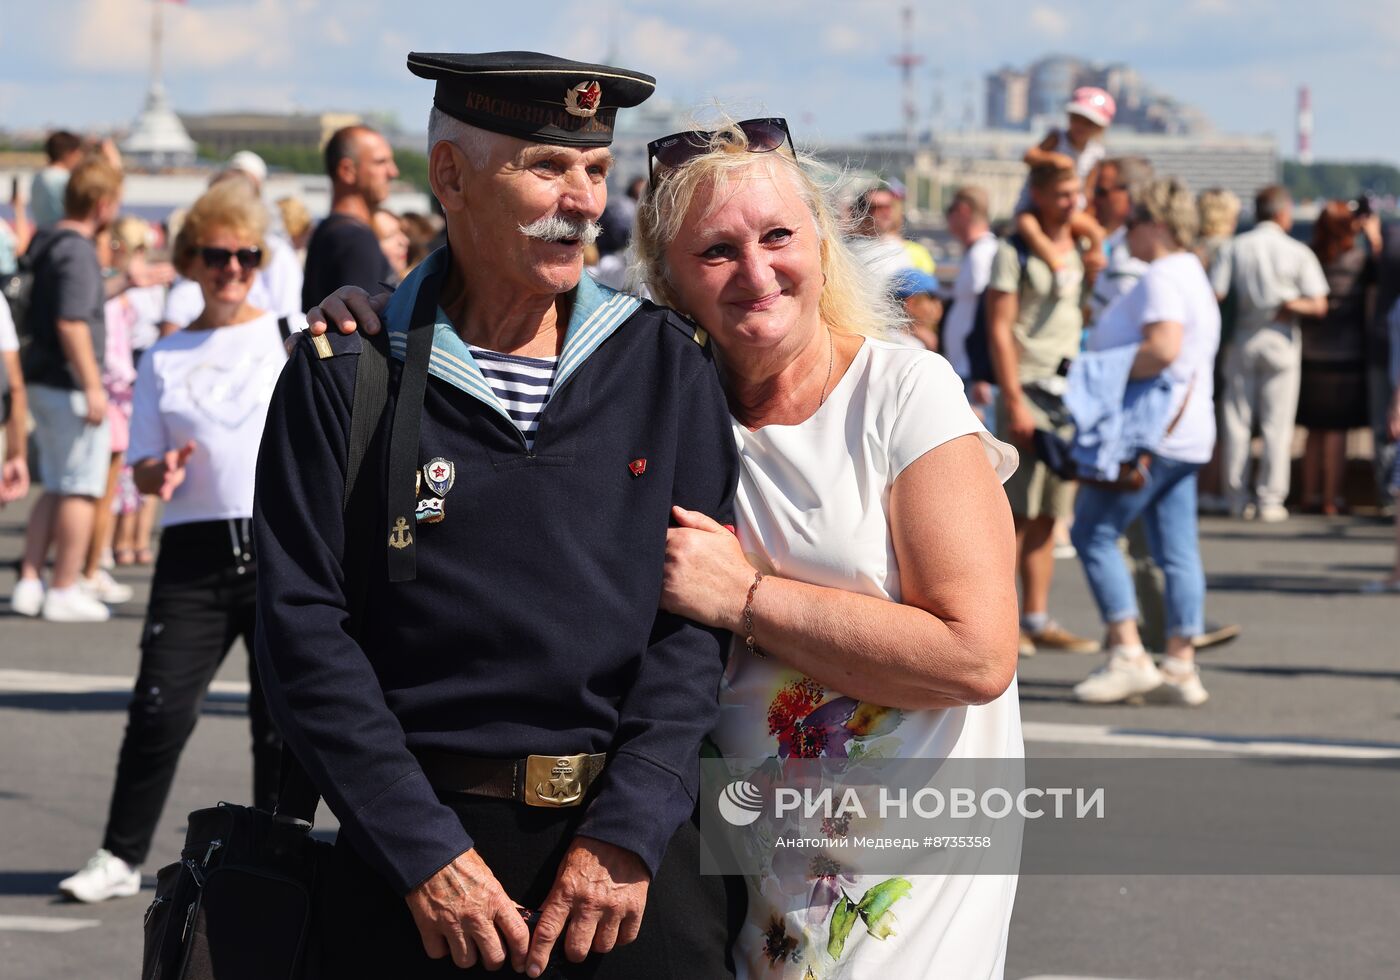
x,y
536,780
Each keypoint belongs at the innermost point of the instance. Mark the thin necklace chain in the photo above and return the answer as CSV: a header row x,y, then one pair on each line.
x,y
830,363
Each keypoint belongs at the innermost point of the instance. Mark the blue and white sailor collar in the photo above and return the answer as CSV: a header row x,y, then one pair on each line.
x,y
597,312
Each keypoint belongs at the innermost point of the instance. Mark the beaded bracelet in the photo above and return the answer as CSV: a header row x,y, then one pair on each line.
x,y
748,617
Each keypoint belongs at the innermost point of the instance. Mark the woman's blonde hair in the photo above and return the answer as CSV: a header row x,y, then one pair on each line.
x,y
229,205
1168,203
852,298
132,232
295,218
1220,212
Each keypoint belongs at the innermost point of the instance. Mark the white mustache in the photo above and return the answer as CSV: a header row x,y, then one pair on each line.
x,y
557,228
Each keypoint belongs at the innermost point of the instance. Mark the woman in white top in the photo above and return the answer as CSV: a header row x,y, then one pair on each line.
x,y
870,587
1173,315
200,401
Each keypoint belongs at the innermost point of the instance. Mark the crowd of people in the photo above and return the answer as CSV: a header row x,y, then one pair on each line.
x,y
147,382
1257,331
834,522
99,289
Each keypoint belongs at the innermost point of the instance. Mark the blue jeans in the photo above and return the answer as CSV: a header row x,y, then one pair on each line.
x,y
1167,506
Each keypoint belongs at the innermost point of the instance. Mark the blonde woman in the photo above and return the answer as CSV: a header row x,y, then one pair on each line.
x,y
201,397
1219,216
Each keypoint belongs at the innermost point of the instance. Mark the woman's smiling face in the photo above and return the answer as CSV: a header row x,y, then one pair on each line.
x,y
746,263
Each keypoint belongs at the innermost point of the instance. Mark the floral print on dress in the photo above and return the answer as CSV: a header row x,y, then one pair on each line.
x,y
813,932
807,726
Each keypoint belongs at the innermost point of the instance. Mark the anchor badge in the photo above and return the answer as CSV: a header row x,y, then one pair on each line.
x,y
400,538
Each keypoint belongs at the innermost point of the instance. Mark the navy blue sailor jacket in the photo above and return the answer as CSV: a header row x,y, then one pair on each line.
x,y
532,626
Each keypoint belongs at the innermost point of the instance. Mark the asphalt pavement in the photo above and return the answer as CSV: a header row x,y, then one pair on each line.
x,y
1316,676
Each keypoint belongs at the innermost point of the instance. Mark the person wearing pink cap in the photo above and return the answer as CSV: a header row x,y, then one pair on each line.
x,y
1079,146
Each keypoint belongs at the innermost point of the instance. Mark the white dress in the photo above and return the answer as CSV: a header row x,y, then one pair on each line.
x,y
813,505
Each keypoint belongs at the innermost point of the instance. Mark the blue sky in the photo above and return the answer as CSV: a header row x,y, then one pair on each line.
x,y
822,63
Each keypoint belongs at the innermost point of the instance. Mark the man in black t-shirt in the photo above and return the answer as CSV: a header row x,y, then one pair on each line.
x,y
344,251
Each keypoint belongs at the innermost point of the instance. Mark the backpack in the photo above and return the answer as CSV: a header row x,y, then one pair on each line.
x,y
979,354
18,286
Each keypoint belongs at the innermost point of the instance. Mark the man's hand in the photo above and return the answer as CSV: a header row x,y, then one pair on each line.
x,y
1020,424
464,911
600,892
14,479
96,405
348,307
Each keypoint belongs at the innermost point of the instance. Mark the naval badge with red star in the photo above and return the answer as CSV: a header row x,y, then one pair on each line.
x,y
439,474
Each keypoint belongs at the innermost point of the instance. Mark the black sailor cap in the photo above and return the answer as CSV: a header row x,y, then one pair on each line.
x,y
531,96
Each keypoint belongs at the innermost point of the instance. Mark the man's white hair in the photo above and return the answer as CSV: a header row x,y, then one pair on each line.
x,y
475,143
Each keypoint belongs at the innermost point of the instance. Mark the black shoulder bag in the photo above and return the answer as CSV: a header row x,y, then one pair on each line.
x,y
238,905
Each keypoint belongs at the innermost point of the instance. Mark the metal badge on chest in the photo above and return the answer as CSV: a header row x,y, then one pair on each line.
x,y
439,474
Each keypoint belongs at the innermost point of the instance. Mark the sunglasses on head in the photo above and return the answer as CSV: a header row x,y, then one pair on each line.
x,y
678,149
218,258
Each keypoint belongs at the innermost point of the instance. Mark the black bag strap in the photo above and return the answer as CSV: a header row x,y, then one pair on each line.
x,y
297,796
30,260
371,395
284,327
399,528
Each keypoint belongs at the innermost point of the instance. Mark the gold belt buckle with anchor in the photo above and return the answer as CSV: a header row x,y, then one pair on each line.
x,y
556,780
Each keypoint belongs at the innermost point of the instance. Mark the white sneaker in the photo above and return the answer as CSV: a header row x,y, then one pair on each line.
x,y
104,876
1128,673
73,605
27,597
104,588
1273,513
1181,686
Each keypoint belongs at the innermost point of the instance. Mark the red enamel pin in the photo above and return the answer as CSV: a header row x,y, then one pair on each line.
x,y
638,466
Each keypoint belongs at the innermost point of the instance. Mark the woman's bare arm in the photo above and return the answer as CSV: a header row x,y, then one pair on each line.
x,y
951,642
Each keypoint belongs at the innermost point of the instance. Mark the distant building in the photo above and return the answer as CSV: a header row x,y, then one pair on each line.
x,y
1052,82
222,134
157,141
1035,98
1008,99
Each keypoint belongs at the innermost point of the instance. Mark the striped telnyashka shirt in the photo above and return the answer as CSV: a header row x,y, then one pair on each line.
x,y
521,385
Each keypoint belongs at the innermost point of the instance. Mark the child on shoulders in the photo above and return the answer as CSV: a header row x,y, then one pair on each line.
x,y
1078,147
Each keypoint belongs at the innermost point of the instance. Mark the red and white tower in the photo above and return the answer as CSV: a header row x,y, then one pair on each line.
x,y
1305,126
907,61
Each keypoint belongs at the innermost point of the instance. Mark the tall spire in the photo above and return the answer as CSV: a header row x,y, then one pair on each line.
x,y
158,138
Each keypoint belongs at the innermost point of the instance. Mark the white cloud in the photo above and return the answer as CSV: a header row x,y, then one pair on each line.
x,y
683,53
841,39
1050,22
108,36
